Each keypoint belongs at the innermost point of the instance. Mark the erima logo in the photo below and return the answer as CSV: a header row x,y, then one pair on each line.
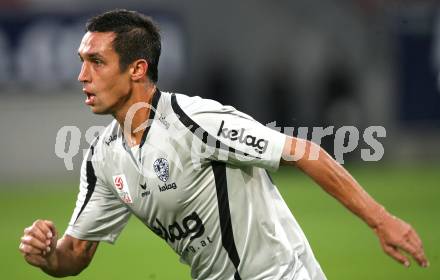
x,y
260,145
191,226
144,187
166,187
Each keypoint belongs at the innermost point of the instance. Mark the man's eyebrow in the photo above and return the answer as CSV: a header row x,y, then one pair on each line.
x,y
91,55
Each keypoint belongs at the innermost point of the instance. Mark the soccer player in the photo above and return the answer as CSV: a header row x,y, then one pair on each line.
x,y
193,171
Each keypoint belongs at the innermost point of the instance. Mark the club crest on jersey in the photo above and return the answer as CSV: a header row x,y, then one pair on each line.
x,y
162,169
121,186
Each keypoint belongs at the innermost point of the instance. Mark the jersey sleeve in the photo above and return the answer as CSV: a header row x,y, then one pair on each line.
x,y
222,133
99,215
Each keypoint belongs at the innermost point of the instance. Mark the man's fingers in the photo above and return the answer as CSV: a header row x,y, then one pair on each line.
x,y
29,250
421,258
415,239
419,245
419,255
46,228
51,227
406,245
395,254
409,245
34,242
36,232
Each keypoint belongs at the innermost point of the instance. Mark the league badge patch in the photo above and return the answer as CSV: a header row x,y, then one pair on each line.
x,y
121,186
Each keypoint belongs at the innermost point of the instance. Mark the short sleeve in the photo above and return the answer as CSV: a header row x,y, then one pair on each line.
x,y
222,133
99,215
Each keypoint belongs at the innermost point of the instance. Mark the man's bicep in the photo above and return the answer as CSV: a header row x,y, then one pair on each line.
x,y
311,159
297,152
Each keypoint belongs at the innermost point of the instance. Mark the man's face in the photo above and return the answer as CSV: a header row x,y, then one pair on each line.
x,y
106,87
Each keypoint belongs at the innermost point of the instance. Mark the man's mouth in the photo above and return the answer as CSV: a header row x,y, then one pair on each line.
x,y
90,100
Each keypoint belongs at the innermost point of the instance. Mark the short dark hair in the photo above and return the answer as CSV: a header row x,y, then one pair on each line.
x,y
137,37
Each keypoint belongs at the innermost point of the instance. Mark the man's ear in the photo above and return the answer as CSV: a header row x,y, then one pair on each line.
x,y
138,69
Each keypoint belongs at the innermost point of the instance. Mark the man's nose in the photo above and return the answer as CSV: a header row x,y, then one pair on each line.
x,y
84,75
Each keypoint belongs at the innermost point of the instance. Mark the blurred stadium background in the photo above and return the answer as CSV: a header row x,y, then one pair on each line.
x,y
301,63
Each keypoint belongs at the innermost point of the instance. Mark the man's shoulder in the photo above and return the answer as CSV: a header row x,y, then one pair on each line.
x,y
192,105
99,145
108,135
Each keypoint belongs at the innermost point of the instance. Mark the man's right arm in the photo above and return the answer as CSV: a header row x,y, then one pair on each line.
x,y
64,257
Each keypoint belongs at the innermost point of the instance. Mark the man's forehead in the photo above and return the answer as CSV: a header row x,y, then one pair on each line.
x,y
94,42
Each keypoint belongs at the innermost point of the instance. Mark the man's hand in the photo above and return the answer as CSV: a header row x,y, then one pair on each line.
x,y
62,257
395,235
39,243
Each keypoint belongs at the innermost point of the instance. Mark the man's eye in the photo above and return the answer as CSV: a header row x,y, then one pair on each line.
x,y
97,61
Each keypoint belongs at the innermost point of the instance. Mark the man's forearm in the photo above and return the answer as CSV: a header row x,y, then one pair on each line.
x,y
335,180
69,261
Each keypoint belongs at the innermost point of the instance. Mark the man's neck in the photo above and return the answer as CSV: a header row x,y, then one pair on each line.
x,y
133,118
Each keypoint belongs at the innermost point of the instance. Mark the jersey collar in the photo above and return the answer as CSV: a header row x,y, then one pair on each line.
x,y
153,109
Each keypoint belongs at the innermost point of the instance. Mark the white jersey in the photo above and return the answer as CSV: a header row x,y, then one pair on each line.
x,y
198,179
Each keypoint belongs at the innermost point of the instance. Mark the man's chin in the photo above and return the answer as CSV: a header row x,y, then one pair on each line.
x,y
98,111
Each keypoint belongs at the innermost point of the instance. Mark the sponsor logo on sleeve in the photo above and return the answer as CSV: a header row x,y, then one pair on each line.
x,y
121,186
240,135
